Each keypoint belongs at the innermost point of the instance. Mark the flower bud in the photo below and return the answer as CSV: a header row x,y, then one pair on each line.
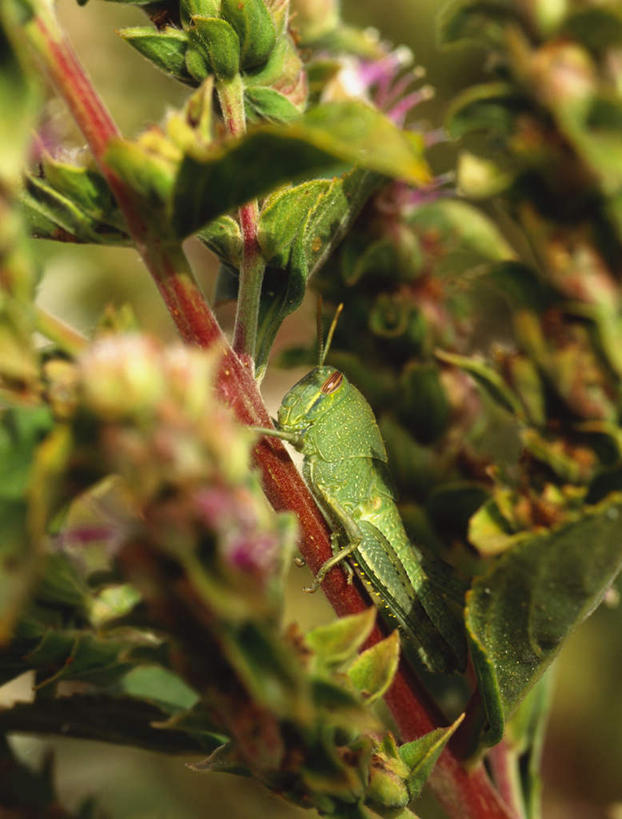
x,y
255,28
201,8
219,44
315,18
122,376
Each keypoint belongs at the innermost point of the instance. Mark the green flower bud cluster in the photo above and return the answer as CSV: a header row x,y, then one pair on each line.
x,y
554,120
227,38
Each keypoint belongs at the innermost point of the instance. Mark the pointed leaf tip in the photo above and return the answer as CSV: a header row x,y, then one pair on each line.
x,y
341,640
373,671
421,755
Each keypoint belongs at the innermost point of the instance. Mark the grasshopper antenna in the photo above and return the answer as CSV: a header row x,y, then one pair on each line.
x,y
324,347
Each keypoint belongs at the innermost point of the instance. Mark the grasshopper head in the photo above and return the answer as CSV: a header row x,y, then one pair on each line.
x,y
310,399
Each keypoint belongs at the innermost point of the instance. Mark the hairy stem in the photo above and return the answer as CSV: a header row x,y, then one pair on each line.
x,y
231,97
465,795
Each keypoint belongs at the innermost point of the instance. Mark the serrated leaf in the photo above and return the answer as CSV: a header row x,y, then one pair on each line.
x,y
533,596
487,378
342,639
373,671
166,49
282,216
421,755
227,175
298,230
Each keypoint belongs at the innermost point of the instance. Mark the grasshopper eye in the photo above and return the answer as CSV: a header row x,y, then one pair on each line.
x,y
331,383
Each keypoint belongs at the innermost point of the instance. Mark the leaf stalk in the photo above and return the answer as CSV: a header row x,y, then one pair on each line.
x,y
252,267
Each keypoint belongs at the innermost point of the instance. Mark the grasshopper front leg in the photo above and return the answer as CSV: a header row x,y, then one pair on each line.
x,y
355,538
335,560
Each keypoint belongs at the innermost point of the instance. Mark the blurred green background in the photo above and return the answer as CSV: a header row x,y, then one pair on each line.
x,y
583,756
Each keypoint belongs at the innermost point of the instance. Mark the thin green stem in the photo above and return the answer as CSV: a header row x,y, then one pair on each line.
x,y
64,336
231,98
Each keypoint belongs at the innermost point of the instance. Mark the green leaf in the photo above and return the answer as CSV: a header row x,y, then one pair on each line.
x,y
598,28
491,107
159,686
149,167
166,49
342,639
282,216
21,434
19,102
520,286
464,228
263,103
487,378
423,404
421,755
119,720
373,671
266,665
480,21
298,229
72,204
213,181
520,611
220,44
482,178
525,734
224,238
255,29
490,532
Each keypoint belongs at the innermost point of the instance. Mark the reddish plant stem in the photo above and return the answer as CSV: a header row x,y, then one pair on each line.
x,y
504,767
464,795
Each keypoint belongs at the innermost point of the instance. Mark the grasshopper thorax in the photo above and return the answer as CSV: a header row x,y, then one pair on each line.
x,y
311,398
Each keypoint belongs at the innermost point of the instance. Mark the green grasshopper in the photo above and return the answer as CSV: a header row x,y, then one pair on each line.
x,y
328,420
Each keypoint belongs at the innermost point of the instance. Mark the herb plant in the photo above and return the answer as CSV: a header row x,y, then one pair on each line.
x,y
148,515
